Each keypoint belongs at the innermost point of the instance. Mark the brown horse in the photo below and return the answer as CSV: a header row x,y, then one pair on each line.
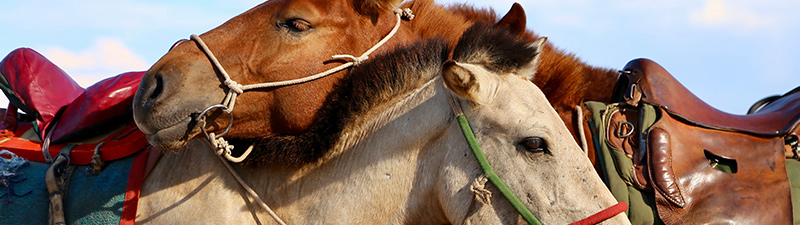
x,y
286,39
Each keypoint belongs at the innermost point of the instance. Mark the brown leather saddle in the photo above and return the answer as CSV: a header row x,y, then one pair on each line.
x,y
704,165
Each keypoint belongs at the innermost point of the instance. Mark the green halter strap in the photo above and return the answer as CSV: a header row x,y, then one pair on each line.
x,y
484,163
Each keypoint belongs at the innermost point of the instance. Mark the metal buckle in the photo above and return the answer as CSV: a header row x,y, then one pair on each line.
x,y
623,124
792,141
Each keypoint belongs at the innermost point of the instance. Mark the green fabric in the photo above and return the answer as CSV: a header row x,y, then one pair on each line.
x,y
617,167
793,171
487,169
722,167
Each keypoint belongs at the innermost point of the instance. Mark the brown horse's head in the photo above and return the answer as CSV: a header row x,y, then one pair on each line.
x,y
275,41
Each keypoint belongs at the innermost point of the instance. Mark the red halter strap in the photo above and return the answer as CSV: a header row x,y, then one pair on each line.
x,y
603,215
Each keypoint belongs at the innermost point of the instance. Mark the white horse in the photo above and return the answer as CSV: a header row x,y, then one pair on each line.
x,y
386,149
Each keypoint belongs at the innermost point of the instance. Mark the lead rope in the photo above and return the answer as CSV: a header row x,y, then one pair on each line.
x,y
222,148
235,89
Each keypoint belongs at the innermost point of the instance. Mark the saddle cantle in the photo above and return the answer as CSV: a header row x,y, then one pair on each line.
x,y
701,164
645,81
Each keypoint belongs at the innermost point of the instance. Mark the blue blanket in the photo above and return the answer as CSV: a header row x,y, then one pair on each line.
x,y
89,199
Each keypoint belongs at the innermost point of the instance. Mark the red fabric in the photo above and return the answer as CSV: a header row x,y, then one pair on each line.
x,y
42,87
100,102
603,215
134,188
125,142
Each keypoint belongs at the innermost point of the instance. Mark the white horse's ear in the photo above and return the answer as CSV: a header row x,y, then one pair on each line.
x,y
529,70
468,81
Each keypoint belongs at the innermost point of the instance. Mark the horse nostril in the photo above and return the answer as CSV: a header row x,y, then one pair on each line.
x,y
159,87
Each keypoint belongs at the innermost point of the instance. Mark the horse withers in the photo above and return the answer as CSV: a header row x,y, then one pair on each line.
x,y
386,148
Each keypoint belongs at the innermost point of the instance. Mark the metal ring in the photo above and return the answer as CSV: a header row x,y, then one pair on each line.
x,y
65,156
202,115
621,125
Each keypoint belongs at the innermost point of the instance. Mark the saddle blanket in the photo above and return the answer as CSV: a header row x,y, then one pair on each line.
x,y
110,197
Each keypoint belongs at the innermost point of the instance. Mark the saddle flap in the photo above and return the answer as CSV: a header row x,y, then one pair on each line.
x,y
36,86
646,81
684,163
104,104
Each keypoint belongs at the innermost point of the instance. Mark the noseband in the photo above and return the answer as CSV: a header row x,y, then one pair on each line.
x,y
235,89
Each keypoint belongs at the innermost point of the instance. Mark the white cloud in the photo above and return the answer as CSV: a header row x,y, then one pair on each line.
x,y
718,13
105,58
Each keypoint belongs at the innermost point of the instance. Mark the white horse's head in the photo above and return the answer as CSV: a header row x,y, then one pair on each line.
x,y
525,142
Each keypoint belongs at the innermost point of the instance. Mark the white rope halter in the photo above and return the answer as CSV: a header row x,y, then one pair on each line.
x,y
235,89
221,146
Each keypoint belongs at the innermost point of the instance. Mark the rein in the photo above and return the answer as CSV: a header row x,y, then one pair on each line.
x,y
523,211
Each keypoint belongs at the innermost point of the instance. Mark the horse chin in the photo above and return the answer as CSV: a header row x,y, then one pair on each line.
x,y
174,137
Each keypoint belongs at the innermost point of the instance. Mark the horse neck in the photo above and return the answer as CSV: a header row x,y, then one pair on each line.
x,y
386,149
433,20
568,82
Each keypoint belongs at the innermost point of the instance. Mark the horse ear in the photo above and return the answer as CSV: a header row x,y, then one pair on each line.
x,y
467,81
514,20
529,70
375,7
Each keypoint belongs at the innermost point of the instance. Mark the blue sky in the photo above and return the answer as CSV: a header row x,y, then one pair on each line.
x,y
729,52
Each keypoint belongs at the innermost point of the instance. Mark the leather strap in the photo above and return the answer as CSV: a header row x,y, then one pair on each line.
x,y
57,180
9,122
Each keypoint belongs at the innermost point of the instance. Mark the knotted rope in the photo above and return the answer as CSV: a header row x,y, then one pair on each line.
x,y
235,89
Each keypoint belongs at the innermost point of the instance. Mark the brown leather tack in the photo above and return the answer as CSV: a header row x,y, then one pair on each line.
x,y
624,134
660,88
758,193
634,95
661,167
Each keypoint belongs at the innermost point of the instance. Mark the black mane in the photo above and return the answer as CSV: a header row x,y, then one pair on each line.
x,y
495,48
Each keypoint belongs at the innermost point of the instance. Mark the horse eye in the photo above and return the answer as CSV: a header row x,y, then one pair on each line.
x,y
297,25
534,145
